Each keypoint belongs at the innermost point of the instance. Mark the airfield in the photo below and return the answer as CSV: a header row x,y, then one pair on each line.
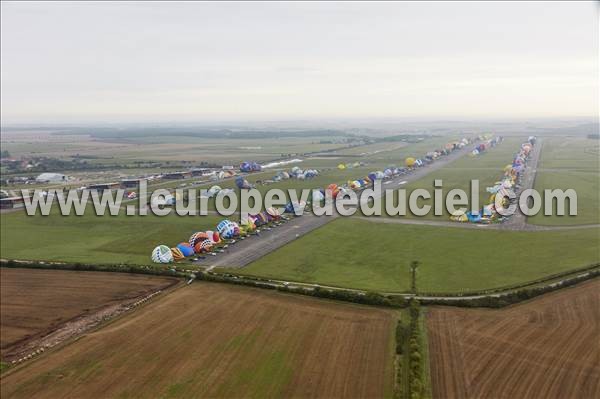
x,y
223,340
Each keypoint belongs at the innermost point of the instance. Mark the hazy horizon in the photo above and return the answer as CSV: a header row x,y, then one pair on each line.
x,y
76,63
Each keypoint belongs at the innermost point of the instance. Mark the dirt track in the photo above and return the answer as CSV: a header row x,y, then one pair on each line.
x,y
215,340
41,305
544,348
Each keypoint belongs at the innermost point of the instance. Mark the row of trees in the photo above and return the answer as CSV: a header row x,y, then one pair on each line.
x,y
410,364
516,296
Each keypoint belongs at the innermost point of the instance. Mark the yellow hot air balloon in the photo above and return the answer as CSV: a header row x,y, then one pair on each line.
x,y
409,162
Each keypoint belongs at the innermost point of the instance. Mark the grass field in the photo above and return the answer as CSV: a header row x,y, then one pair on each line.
x,y
587,187
168,147
571,162
570,153
373,256
34,303
95,239
212,340
487,168
544,348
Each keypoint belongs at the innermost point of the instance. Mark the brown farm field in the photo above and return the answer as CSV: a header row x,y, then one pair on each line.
x,y
214,340
544,348
35,303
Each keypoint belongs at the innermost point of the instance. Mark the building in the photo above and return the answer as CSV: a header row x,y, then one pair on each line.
x,y
177,175
51,178
104,186
131,183
12,202
200,171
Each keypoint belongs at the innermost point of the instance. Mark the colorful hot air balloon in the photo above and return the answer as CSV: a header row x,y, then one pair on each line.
x,y
409,162
227,229
204,246
185,248
214,190
333,190
162,254
197,237
177,254
246,167
242,183
274,213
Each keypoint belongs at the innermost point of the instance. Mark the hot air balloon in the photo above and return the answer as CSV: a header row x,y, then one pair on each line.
x,y
203,247
213,236
198,237
409,162
274,213
242,183
214,190
228,229
246,167
295,207
177,254
185,248
317,196
162,254
332,190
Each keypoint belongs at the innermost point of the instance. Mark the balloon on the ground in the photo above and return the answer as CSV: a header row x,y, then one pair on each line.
x,y
317,196
185,248
242,183
162,254
273,213
203,247
227,229
177,253
214,190
198,237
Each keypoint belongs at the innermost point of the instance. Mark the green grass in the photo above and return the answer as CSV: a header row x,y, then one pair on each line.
x,y
487,168
587,187
94,239
573,153
3,367
425,352
372,256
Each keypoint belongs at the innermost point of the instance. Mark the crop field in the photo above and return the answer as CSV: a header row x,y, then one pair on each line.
x,y
223,341
95,239
36,302
543,348
376,256
169,148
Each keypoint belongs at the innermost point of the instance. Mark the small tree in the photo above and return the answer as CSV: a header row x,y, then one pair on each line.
x,y
413,270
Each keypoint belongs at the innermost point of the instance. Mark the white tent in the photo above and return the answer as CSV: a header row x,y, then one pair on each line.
x,y
51,178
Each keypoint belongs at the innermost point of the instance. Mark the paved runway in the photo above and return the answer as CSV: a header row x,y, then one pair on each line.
x,y
252,248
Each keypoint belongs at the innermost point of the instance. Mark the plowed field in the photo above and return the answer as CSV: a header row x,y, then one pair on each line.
x,y
544,348
212,340
33,303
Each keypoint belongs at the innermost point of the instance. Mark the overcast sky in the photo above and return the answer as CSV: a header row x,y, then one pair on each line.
x,y
145,62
